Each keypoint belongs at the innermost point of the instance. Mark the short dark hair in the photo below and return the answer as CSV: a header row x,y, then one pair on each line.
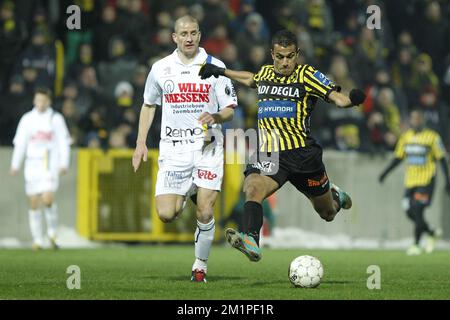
x,y
284,38
44,90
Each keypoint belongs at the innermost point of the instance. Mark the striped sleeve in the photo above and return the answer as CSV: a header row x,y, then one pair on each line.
x,y
399,151
438,148
317,84
257,76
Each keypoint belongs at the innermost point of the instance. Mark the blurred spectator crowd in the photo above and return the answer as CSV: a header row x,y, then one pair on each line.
x,y
98,73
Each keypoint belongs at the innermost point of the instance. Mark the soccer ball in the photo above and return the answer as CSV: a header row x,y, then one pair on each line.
x,y
305,272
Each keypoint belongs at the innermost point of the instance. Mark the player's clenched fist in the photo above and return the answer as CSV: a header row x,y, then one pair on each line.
x,y
140,153
207,70
207,118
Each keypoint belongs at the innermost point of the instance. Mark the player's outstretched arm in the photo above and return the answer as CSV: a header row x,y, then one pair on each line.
x,y
244,77
355,98
222,116
394,163
145,122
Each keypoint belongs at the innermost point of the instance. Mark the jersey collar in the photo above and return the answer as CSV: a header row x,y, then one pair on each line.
x,y
199,59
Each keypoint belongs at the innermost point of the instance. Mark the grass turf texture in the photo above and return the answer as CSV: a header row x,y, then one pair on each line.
x,y
163,272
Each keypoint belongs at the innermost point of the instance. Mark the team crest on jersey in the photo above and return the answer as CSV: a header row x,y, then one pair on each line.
x,y
229,91
322,78
169,86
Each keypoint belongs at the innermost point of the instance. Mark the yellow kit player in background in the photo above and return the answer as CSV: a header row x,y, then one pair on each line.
x,y
421,147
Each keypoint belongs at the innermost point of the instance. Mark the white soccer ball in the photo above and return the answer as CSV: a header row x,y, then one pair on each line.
x,y
305,272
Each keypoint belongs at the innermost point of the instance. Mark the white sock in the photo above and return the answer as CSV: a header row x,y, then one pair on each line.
x,y
51,216
204,236
35,219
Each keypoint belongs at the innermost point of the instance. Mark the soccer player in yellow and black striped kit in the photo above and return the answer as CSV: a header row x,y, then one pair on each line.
x,y
421,148
287,94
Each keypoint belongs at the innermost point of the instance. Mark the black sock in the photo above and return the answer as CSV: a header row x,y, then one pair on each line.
x,y
335,195
421,226
253,219
194,198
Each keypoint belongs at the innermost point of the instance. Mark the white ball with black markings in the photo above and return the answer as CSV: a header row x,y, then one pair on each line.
x,y
305,272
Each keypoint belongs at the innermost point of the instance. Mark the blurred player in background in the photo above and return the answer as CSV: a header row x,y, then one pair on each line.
x,y
42,138
421,147
187,160
287,94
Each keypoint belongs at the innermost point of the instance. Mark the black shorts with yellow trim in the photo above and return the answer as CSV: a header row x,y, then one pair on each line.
x,y
421,194
302,167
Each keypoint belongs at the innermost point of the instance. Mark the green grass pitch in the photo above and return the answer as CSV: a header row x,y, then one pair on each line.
x,y
163,272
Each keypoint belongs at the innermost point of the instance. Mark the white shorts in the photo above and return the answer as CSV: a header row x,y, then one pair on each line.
x,y
45,183
177,171
38,178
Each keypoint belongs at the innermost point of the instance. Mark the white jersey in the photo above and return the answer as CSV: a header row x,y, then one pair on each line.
x,y
42,138
184,96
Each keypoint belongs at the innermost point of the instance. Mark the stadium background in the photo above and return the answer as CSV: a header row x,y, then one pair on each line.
x,y
98,75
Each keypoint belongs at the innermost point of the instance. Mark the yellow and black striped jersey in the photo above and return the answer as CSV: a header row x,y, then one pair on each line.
x,y
421,150
285,104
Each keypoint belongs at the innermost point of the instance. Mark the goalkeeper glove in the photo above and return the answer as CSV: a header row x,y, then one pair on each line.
x,y
357,96
207,70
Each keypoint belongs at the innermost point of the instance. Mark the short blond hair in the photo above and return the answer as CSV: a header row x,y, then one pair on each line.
x,y
185,19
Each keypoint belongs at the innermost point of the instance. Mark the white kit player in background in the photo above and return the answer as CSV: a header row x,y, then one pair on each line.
x,y
186,159
42,138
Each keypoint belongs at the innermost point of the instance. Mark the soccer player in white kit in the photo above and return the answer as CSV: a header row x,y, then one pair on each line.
x,y
186,158
42,138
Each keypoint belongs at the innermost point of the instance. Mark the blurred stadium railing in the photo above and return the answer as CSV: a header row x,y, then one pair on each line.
x,y
103,199
114,203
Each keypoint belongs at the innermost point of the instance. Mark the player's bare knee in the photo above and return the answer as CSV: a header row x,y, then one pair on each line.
x,y
204,212
34,205
47,202
47,199
254,192
327,214
205,216
166,215
34,202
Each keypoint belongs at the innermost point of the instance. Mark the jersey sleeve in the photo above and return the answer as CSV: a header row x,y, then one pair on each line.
x,y
257,75
20,142
225,93
152,91
438,149
399,151
317,84
63,140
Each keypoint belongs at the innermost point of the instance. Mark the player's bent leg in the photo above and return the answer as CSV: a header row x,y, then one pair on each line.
x,y
204,233
169,206
325,206
256,188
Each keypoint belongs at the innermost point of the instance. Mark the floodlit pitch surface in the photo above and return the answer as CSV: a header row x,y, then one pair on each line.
x,y
163,272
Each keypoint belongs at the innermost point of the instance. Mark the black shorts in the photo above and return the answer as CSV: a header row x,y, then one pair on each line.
x,y
303,167
422,194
